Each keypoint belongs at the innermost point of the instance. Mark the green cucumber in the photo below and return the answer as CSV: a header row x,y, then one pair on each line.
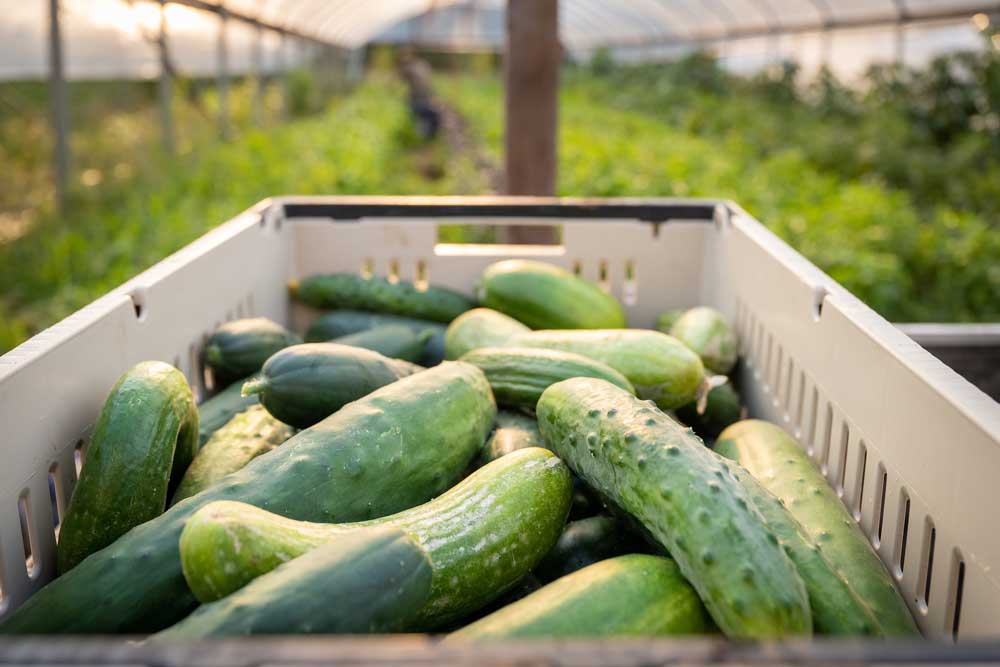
x,y
660,367
482,536
145,437
372,581
239,348
519,375
686,496
706,331
395,341
343,322
836,609
216,412
397,447
722,408
480,327
513,431
667,319
585,542
247,435
303,384
785,469
544,296
349,290
633,595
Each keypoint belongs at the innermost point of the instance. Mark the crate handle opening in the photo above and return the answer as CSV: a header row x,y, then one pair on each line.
x,y
819,296
138,297
31,562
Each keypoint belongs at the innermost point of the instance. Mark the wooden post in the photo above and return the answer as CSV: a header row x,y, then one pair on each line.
x,y
222,80
283,73
257,65
58,104
166,85
532,62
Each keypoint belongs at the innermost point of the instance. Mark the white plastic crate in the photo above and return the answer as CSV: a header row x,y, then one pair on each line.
x,y
912,447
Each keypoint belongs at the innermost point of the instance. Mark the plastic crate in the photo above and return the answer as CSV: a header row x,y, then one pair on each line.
x,y
910,445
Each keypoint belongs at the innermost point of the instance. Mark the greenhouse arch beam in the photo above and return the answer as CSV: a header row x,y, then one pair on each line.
x,y
220,9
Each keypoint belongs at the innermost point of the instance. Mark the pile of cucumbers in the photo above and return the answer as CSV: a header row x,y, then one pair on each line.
x,y
520,464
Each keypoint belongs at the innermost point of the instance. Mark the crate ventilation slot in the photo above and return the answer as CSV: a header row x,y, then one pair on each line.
x,y
930,537
904,511
861,465
823,453
31,563
422,279
393,276
367,267
56,497
845,437
79,453
959,585
630,288
883,479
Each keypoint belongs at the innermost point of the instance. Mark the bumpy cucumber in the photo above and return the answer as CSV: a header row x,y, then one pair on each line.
x,y
349,290
660,367
513,431
784,469
343,322
633,595
544,296
836,609
248,435
519,375
706,331
584,543
686,496
480,327
397,447
145,437
482,536
304,384
372,581
239,348
216,412
667,319
395,341
722,408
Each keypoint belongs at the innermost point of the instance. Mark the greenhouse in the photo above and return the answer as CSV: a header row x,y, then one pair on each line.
x,y
499,332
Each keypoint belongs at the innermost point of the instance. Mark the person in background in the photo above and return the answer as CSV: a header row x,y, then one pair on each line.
x,y
416,73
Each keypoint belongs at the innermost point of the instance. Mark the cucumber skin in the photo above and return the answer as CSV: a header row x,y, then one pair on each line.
x,y
239,348
836,609
349,290
686,496
633,595
216,412
379,577
519,375
722,408
393,449
249,434
660,367
479,327
513,431
395,341
144,440
706,331
785,469
585,542
304,384
483,536
544,296
339,323
667,319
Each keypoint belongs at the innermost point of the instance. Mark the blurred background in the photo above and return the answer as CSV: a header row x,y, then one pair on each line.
x,y
864,132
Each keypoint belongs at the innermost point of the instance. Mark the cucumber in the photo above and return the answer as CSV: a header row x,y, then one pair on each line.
x,y
349,290
722,408
303,384
397,447
372,581
667,319
513,431
706,331
584,543
482,536
686,496
343,322
544,296
239,348
395,341
785,469
247,435
145,437
836,609
480,327
659,366
216,412
633,595
519,375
